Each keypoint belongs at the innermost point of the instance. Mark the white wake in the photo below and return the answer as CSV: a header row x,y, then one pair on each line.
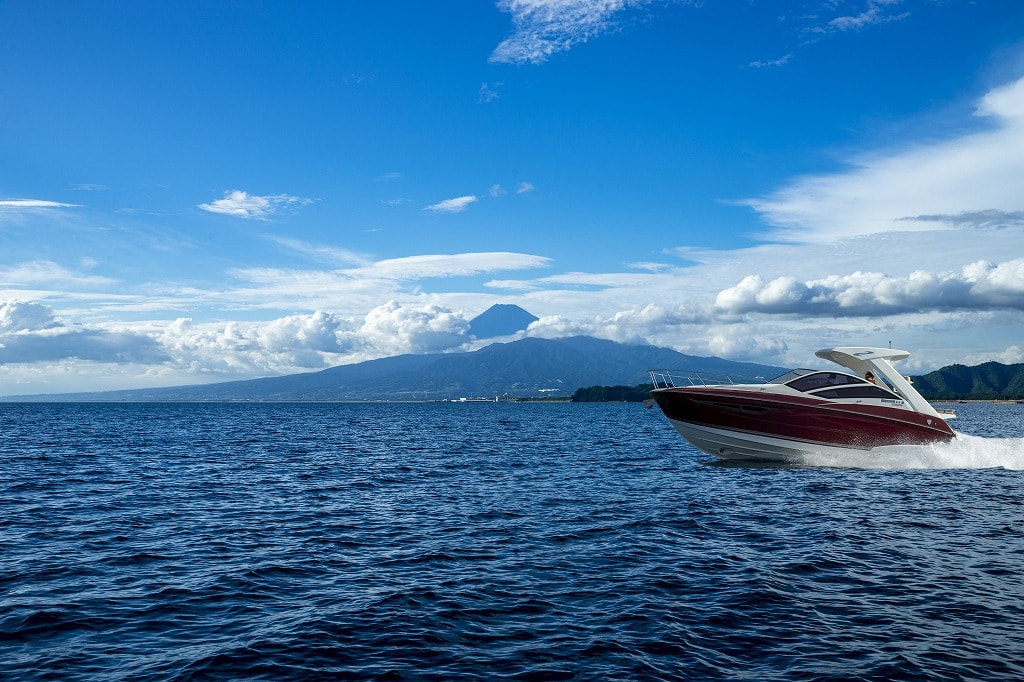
x,y
963,452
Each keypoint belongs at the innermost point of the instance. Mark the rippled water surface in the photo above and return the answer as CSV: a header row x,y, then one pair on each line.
x,y
473,541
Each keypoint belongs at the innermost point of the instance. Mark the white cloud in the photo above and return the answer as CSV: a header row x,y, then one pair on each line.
x,y
251,206
545,27
877,12
452,265
456,205
31,333
48,273
497,190
25,204
302,342
1012,355
24,316
980,285
771,63
736,341
487,94
393,328
330,254
974,174
288,344
525,187
357,289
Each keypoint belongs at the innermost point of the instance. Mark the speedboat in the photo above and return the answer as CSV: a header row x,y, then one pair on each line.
x,y
869,405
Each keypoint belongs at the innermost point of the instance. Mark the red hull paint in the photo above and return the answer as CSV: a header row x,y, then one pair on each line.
x,y
802,419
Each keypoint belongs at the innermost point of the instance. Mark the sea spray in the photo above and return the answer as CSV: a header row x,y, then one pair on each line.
x,y
963,452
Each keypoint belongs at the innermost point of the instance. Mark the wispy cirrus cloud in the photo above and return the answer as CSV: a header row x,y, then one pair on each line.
x,y
48,273
771,63
28,204
360,286
487,93
401,269
252,206
876,12
973,175
453,265
456,205
543,28
988,219
328,254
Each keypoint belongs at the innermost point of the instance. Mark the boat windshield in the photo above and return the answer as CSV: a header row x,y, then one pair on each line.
x,y
790,375
815,380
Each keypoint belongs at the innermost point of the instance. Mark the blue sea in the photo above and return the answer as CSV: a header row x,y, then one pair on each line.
x,y
524,541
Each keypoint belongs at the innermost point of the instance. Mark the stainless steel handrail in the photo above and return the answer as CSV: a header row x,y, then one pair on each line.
x,y
675,378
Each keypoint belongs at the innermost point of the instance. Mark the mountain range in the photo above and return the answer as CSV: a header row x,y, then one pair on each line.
x,y
529,367
988,381
526,368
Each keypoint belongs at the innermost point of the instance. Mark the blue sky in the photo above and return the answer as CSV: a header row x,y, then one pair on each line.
x,y
195,192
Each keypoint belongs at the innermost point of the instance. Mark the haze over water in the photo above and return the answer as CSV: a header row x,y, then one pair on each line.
x,y
472,541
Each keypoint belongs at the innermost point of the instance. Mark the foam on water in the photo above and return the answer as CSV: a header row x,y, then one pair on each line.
x,y
963,452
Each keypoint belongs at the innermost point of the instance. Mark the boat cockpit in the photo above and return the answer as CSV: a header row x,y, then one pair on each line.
x,y
834,385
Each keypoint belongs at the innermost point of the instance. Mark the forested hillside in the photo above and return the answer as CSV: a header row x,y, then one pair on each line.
x,y
988,381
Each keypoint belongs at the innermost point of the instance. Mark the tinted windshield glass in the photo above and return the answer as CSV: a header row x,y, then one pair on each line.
x,y
809,382
861,391
790,375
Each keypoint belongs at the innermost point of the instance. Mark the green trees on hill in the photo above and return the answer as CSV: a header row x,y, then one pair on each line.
x,y
613,394
988,381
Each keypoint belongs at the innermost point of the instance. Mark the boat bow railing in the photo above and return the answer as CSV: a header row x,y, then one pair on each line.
x,y
677,378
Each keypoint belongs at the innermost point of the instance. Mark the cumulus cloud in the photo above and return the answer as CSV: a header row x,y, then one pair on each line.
x,y
1013,355
303,342
93,345
288,344
736,341
973,175
651,323
30,333
977,286
251,206
543,28
393,329
456,205
25,316
525,187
